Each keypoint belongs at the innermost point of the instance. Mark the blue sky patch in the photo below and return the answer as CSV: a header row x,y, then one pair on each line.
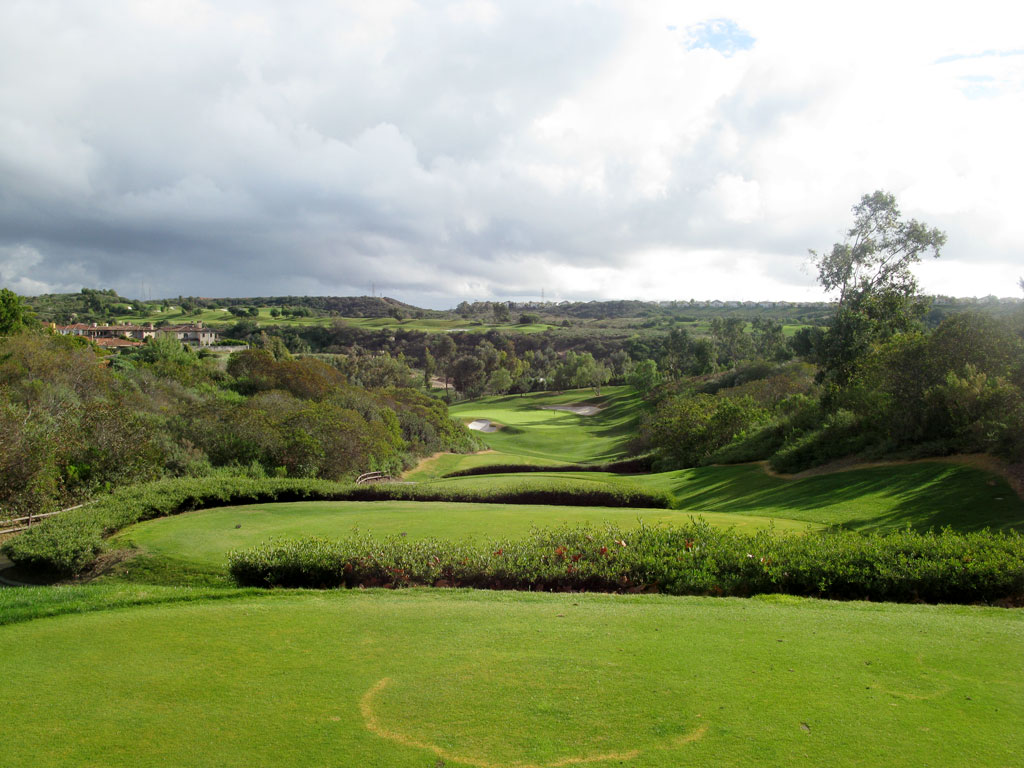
x,y
722,35
982,55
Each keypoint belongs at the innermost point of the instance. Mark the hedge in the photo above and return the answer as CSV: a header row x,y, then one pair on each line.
x,y
70,542
692,559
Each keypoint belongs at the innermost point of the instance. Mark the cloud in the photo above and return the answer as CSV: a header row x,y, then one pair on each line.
x,y
474,149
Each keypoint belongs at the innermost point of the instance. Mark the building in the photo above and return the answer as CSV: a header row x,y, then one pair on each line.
x,y
192,334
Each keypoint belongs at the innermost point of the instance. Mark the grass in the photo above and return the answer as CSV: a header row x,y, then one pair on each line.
x,y
558,436
28,603
923,495
193,547
436,467
432,678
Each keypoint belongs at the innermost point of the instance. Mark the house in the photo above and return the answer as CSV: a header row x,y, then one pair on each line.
x,y
192,334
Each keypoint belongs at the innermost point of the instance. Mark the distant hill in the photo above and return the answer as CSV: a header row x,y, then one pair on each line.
x,y
345,306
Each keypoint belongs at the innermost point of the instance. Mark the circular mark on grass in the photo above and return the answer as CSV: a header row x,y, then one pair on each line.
x,y
374,725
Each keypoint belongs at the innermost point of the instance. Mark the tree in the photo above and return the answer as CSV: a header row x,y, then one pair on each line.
x,y
644,377
501,312
13,314
499,382
877,291
469,375
731,339
768,339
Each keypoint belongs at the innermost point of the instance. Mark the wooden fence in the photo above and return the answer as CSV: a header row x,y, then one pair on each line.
x,y
18,524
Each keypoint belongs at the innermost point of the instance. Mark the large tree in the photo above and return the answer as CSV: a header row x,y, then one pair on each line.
x,y
877,290
13,314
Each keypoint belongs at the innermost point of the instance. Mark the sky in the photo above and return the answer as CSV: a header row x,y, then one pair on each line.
x,y
437,152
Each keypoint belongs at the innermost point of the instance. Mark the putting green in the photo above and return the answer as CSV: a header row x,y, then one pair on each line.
x,y
206,537
511,680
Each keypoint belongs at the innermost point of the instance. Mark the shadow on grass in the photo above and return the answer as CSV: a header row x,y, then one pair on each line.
x,y
922,496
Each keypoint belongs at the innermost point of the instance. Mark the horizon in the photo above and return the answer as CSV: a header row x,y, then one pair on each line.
x,y
535,302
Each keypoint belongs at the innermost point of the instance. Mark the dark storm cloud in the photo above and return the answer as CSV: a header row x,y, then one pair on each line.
x,y
439,150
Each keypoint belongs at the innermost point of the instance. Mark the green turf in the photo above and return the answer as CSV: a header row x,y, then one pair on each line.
x,y
558,436
921,495
197,543
445,463
506,680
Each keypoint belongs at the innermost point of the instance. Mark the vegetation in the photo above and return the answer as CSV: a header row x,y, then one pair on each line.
x,y
689,559
328,389
71,542
528,678
192,548
531,427
78,423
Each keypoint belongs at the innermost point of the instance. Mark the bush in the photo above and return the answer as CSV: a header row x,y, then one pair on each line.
x,y
70,542
635,465
694,559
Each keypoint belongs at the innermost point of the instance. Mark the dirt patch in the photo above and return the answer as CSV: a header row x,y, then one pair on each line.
x,y
1012,473
579,410
105,563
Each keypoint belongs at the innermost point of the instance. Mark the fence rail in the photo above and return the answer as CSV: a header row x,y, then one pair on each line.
x,y
373,477
29,520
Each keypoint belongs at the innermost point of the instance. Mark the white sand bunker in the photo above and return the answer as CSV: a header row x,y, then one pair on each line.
x,y
579,410
483,425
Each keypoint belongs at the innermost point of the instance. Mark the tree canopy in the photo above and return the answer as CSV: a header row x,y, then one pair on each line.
x,y
871,271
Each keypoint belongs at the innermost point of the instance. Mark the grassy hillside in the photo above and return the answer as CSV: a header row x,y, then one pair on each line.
x,y
922,495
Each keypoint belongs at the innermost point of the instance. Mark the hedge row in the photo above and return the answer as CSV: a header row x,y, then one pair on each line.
x,y
694,559
69,543
636,465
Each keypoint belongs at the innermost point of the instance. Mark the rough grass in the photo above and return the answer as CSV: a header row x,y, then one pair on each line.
x,y
498,680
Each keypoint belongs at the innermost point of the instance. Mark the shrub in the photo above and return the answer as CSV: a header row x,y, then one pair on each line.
x,y
70,542
693,559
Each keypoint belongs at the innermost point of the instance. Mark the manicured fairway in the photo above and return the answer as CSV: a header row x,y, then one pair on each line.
x,y
922,495
509,680
206,537
558,436
438,466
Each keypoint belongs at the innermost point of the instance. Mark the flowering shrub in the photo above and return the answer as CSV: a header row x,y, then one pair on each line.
x,y
693,559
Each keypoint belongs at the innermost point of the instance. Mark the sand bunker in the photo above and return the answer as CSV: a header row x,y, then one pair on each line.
x,y
579,410
483,425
